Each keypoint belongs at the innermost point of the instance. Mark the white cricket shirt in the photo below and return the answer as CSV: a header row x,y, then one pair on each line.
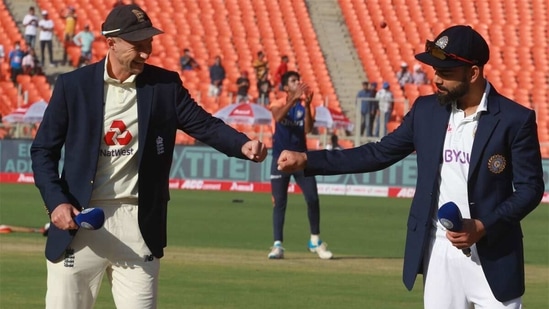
x,y
116,175
456,156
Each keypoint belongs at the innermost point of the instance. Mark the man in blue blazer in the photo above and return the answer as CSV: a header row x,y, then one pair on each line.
x,y
117,121
474,148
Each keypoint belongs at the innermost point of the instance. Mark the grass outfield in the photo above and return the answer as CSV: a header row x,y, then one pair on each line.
x,y
217,254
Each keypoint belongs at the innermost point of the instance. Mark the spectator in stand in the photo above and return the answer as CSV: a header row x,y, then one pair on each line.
x,y
404,76
31,65
386,101
364,97
118,3
46,37
282,68
242,86
30,22
265,88
16,61
261,68
84,39
419,77
374,109
217,76
70,30
187,61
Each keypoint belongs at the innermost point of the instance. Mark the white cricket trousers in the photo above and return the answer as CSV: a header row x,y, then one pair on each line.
x,y
454,281
117,249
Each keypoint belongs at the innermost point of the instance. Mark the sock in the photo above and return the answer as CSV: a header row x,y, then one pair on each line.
x,y
278,243
315,239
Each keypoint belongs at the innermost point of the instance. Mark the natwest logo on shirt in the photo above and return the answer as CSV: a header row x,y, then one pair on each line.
x,y
117,134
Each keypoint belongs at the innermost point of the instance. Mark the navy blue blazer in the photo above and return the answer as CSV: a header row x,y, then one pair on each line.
x,y
505,181
74,120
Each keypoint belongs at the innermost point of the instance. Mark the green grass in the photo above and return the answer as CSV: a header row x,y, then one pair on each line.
x,y
216,255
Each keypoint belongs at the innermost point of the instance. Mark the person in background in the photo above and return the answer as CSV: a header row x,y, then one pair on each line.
x,y
294,118
419,77
476,149
84,39
261,68
31,65
242,88
116,121
187,62
15,58
404,76
217,76
282,68
46,37
364,98
385,99
69,31
265,88
30,22
374,111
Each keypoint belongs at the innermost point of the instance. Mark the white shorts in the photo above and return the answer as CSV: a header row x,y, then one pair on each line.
x,y
117,249
453,280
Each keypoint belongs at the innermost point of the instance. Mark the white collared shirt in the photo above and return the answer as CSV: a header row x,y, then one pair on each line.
x,y
117,167
456,155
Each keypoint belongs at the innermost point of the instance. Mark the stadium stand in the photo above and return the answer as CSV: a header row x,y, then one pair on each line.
x,y
28,89
237,29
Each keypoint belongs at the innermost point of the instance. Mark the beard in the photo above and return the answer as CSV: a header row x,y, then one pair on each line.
x,y
452,95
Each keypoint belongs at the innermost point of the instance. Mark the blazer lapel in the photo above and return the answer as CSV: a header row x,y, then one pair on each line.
x,y
94,98
439,126
486,125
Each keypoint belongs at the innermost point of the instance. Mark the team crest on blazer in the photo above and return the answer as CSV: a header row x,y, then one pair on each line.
x,y
496,164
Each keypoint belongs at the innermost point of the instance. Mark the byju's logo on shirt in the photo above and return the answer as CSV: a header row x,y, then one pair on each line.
x,y
117,134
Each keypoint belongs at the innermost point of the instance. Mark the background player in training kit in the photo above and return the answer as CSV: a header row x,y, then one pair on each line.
x,y
294,118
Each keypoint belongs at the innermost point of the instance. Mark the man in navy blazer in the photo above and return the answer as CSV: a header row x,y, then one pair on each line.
x,y
475,148
117,121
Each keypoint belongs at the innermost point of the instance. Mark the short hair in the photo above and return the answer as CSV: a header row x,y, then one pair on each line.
x,y
286,76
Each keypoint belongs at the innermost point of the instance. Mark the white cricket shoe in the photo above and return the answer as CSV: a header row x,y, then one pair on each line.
x,y
277,252
321,250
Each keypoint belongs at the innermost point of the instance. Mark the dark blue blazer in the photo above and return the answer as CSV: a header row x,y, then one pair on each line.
x,y
500,192
74,120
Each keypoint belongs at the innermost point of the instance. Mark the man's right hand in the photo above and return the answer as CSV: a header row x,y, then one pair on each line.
x,y
291,161
62,216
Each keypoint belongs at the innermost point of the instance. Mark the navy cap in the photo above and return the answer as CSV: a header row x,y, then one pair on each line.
x,y
130,23
456,46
